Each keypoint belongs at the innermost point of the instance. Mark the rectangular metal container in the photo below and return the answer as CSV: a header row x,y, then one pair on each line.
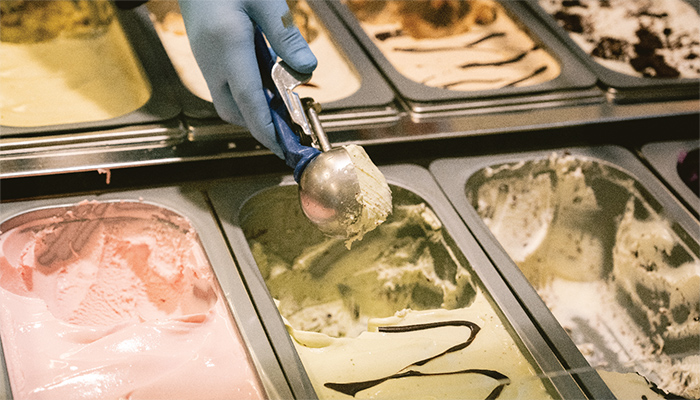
x,y
233,200
160,107
371,104
461,178
190,203
623,88
574,85
663,158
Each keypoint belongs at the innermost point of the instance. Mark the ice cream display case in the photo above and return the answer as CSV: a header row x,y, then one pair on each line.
x,y
594,236
639,50
129,294
350,90
77,66
453,58
677,164
414,306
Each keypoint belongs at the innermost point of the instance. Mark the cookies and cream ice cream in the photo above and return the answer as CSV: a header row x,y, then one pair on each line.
x,y
398,315
116,300
333,79
615,273
64,62
644,38
456,45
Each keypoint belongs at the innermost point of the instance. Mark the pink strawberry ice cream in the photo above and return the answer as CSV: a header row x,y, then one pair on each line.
x,y
115,300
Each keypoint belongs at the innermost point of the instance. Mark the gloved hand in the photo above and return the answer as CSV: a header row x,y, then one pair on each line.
x,y
221,33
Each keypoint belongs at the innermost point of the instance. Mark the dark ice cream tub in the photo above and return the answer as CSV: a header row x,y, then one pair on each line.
x,y
160,107
623,88
189,203
461,179
236,201
575,84
371,104
664,158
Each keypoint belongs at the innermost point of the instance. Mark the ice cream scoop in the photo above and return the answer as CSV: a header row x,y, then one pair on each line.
x,y
341,191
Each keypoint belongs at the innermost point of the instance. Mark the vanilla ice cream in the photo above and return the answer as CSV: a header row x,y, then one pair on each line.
x,y
333,79
643,38
116,300
70,75
614,272
481,49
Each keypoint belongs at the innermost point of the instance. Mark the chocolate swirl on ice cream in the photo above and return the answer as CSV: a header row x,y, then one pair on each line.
x,y
352,388
484,39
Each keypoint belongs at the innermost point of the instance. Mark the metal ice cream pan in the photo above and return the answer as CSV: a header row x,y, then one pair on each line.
x,y
623,88
575,84
190,203
160,107
274,200
663,158
372,103
460,178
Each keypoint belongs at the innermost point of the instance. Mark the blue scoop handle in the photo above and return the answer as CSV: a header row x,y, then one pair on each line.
x,y
296,155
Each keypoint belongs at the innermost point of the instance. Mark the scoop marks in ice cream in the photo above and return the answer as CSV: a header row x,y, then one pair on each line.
x,y
116,300
396,316
612,269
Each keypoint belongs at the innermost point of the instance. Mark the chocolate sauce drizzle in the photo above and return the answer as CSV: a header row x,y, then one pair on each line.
x,y
511,60
450,48
352,388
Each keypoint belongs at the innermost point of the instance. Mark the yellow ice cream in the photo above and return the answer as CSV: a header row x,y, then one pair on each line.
x,y
70,78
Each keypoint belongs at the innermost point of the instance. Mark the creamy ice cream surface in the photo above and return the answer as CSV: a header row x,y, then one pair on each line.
x,y
614,272
342,306
644,38
68,78
116,300
333,79
468,53
421,354
374,194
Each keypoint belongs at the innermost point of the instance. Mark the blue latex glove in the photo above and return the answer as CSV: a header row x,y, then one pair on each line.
x,y
221,33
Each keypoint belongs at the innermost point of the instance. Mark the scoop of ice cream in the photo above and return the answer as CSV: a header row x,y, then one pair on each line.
x,y
374,194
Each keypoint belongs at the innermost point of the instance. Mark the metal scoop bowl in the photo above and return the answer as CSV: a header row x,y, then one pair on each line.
x,y
329,185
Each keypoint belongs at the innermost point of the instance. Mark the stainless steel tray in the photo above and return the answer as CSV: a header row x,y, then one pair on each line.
x,y
574,85
620,87
231,198
663,157
190,203
372,104
454,174
160,107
